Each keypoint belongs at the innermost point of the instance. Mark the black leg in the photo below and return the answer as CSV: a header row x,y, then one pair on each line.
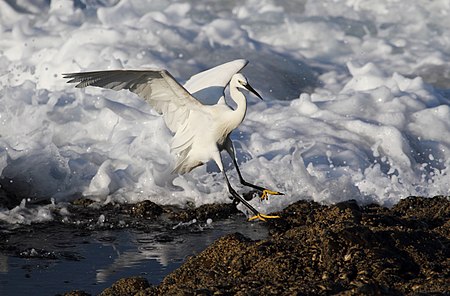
x,y
237,197
241,179
257,215
229,147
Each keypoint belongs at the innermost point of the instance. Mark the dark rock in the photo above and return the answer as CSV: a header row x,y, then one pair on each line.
x,y
341,249
82,202
127,286
146,209
202,213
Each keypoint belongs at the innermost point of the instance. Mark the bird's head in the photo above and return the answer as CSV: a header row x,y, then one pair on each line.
x,y
240,81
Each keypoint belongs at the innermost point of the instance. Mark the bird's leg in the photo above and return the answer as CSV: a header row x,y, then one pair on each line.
x,y
237,197
265,192
257,215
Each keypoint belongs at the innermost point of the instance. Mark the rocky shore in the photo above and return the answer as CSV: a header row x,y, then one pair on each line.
x,y
343,249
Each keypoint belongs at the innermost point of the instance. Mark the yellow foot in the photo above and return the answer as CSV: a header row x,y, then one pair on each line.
x,y
262,217
266,192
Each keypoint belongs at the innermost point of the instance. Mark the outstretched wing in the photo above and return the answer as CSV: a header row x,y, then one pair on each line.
x,y
157,87
208,86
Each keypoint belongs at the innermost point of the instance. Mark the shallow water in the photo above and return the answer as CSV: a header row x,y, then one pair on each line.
x,y
53,258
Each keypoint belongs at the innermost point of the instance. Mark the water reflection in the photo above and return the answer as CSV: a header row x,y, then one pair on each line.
x,y
135,249
51,258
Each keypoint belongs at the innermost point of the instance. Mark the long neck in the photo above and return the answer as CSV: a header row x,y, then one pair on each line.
x,y
241,102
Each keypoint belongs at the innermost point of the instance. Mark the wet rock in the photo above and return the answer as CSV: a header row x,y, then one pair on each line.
x,y
146,209
82,202
202,213
37,253
87,213
127,286
341,249
424,213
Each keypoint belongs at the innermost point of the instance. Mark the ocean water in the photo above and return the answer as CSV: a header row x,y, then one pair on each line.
x,y
356,100
57,259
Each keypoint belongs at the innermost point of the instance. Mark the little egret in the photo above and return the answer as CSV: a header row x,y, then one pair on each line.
x,y
200,132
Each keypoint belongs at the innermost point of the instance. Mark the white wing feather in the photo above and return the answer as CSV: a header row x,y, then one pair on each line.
x,y
208,86
157,87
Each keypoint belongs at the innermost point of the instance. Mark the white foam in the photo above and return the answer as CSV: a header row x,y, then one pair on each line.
x,y
369,131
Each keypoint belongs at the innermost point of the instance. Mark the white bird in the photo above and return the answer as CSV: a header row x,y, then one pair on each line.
x,y
200,132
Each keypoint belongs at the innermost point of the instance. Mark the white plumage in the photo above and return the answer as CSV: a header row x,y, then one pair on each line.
x,y
200,130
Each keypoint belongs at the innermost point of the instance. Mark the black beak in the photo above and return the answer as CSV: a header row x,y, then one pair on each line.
x,y
251,89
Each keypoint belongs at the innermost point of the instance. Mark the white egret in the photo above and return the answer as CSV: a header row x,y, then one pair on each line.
x,y
200,131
